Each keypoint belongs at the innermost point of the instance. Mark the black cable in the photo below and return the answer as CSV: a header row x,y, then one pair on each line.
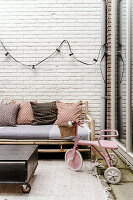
x,y
3,46
123,64
33,66
122,73
7,53
72,54
46,58
104,54
19,61
101,68
57,50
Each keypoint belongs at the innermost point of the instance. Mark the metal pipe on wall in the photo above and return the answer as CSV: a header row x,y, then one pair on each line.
x,y
103,66
119,91
113,61
128,79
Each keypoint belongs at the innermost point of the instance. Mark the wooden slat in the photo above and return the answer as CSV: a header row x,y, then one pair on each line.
x,y
86,107
59,150
90,121
14,140
88,117
93,130
36,142
92,139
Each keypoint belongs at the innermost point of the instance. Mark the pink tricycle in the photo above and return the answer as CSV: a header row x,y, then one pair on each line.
x,y
74,159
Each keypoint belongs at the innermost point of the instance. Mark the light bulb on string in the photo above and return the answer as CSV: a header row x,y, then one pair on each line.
x,y
6,54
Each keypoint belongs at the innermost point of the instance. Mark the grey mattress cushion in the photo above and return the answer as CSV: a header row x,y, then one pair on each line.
x,y
38,132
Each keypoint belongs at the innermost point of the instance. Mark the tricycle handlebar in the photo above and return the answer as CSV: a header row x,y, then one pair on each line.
x,y
107,136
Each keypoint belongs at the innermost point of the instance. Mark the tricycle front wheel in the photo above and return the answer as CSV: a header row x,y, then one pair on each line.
x,y
75,163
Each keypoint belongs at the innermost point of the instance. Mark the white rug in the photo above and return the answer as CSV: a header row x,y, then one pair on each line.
x,y
54,181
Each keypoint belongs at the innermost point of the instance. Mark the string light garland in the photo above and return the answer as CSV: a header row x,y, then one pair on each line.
x,y
56,51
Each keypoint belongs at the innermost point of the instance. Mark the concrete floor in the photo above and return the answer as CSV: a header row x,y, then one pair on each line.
x,y
123,190
54,181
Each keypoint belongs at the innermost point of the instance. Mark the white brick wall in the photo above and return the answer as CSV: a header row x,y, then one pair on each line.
x,y
31,30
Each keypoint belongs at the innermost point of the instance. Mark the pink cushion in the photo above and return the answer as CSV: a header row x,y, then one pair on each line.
x,y
68,112
25,114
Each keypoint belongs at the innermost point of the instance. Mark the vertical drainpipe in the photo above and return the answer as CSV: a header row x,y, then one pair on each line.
x,y
119,92
103,66
128,76
113,61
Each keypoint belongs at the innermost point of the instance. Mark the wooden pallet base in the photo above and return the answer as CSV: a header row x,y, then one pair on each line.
x,y
59,150
59,144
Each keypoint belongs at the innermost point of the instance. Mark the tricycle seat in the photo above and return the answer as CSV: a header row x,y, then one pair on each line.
x,y
104,143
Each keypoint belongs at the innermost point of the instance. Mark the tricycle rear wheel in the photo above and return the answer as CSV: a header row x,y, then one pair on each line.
x,y
112,175
114,158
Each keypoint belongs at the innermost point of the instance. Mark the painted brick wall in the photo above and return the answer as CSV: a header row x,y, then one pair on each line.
x,y
31,30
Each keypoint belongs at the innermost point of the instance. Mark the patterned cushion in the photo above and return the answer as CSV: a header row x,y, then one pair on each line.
x,y
25,114
44,113
68,112
8,114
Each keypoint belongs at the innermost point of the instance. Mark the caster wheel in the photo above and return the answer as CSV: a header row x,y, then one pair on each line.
x,y
26,188
75,163
114,158
112,175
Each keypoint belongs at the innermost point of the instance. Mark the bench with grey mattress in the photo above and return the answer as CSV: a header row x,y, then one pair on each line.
x,y
47,135
44,132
